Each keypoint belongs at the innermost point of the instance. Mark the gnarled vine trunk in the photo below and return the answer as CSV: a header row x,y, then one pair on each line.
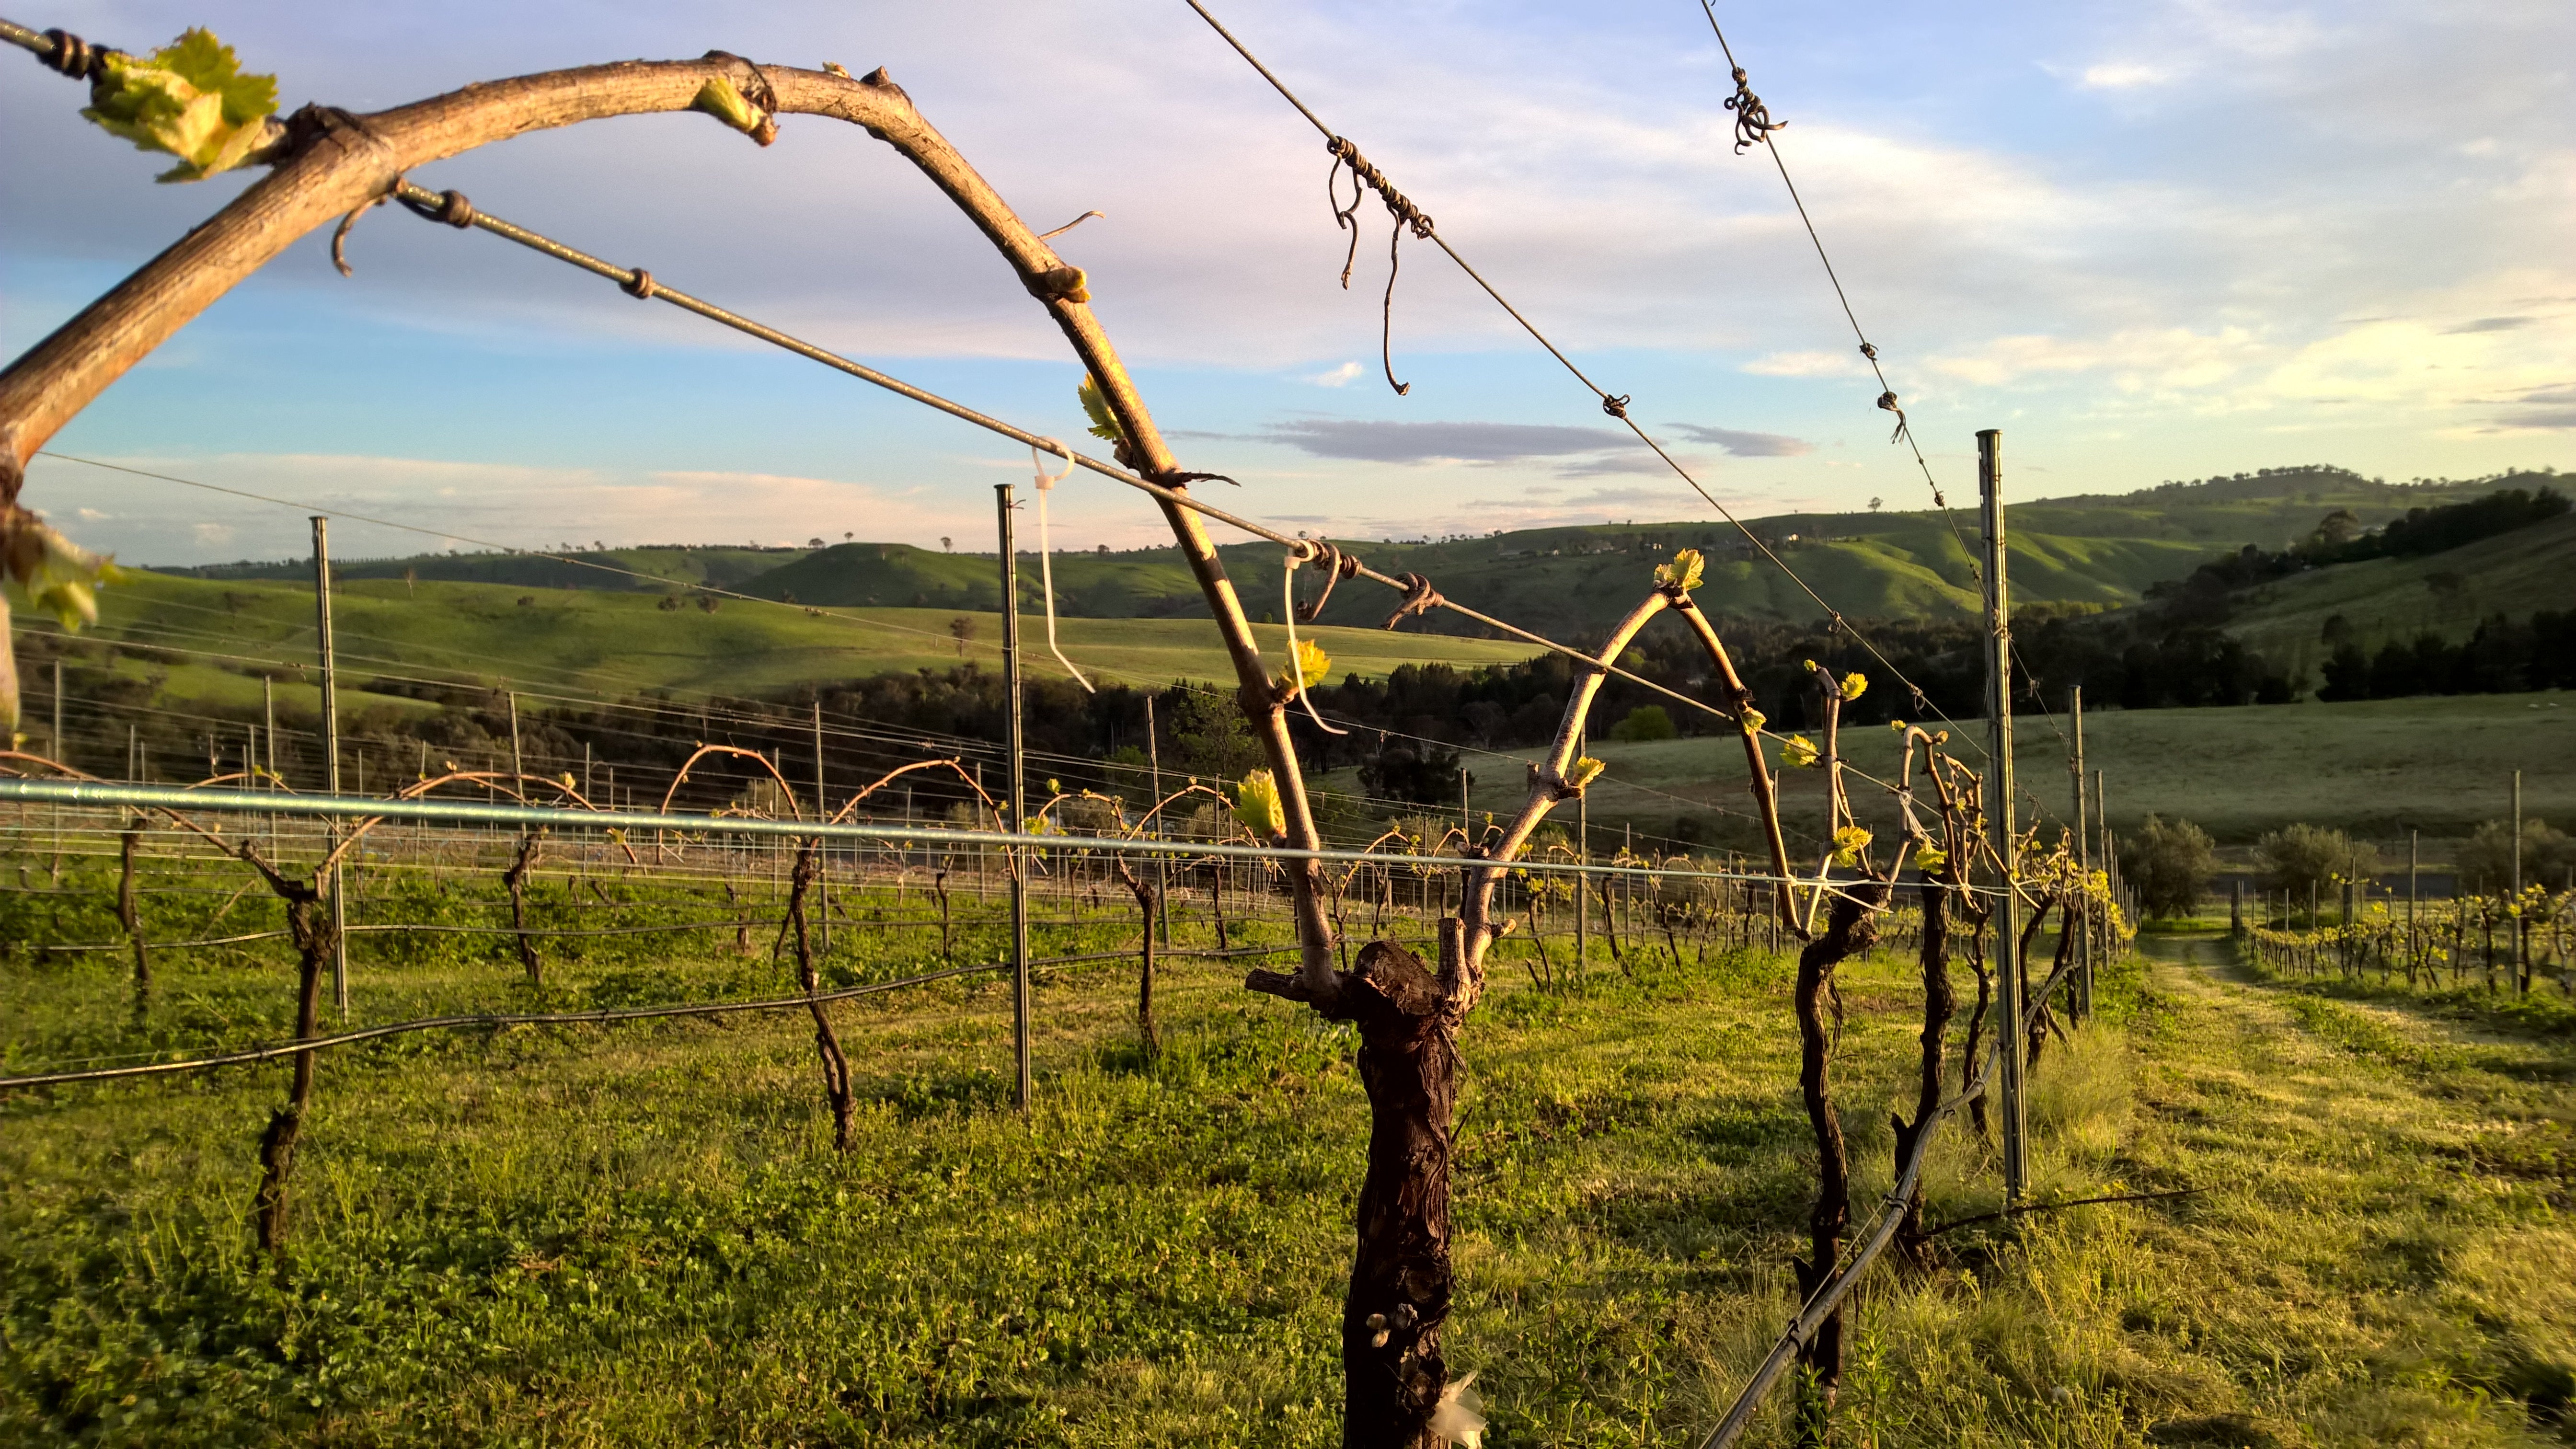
x,y
827,1042
308,924
1399,1293
1938,1003
1851,926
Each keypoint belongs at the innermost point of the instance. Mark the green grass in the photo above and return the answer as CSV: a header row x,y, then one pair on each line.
x,y
611,643
642,1236
2375,767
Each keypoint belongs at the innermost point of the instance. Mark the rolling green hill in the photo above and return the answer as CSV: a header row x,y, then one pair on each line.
x,y
2381,599
2098,551
600,643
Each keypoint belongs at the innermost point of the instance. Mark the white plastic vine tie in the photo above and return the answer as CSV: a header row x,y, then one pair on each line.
x,y
1296,666
1046,482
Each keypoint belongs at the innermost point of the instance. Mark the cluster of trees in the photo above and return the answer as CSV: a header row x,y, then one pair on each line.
x,y
2171,862
2502,657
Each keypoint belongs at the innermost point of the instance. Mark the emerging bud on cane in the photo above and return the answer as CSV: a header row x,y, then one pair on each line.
x,y
1095,406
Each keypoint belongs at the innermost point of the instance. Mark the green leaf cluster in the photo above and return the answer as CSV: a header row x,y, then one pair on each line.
x,y
1684,573
1095,405
1313,665
55,576
1257,807
190,99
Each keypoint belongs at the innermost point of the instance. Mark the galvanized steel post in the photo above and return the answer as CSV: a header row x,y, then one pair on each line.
x,y
1999,812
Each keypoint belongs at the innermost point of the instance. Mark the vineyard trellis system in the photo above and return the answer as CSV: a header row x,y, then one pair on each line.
x,y
1984,885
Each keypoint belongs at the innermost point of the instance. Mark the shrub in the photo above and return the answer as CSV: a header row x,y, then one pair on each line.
x,y
2169,863
2308,857
2485,861
1645,722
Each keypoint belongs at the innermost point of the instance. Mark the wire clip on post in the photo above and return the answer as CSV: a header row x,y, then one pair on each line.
x,y
1046,482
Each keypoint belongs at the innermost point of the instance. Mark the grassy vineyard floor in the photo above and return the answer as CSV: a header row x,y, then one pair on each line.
x,y
644,1237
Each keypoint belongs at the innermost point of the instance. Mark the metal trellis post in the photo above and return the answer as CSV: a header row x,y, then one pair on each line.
x,y
1162,922
2513,920
2083,925
1017,802
1999,811
823,849
331,759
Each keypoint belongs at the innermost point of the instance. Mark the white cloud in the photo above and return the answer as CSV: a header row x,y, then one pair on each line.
x,y
1809,363
2124,75
1337,377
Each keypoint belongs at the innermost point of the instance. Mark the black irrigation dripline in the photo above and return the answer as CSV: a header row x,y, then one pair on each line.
x,y
574,1018
1616,405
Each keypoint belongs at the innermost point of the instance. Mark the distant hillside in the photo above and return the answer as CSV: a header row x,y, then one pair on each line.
x,y
2097,552
614,569
221,636
2384,599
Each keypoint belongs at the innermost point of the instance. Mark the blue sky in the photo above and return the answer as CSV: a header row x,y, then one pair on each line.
x,y
2150,241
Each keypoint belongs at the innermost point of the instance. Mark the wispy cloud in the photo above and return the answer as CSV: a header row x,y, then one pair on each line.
x,y
1337,377
1746,445
1374,441
2124,75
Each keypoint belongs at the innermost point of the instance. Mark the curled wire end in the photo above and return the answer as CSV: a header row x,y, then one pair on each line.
x,y
1753,123
340,238
1070,225
641,286
1615,406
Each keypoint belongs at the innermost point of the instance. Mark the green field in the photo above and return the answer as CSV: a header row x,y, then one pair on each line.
x,y
642,1235
590,642
2374,767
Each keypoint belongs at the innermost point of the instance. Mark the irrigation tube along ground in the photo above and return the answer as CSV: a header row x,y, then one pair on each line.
x,y
343,807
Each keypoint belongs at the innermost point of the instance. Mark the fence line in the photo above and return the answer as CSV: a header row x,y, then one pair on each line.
x,y
630,822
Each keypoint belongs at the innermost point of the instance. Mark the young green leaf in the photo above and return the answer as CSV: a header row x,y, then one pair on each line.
x,y
1855,685
1849,842
1800,751
189,99
1257,807
1683,573
1927,859
1095,405
1753,720
1314,666
1583,772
